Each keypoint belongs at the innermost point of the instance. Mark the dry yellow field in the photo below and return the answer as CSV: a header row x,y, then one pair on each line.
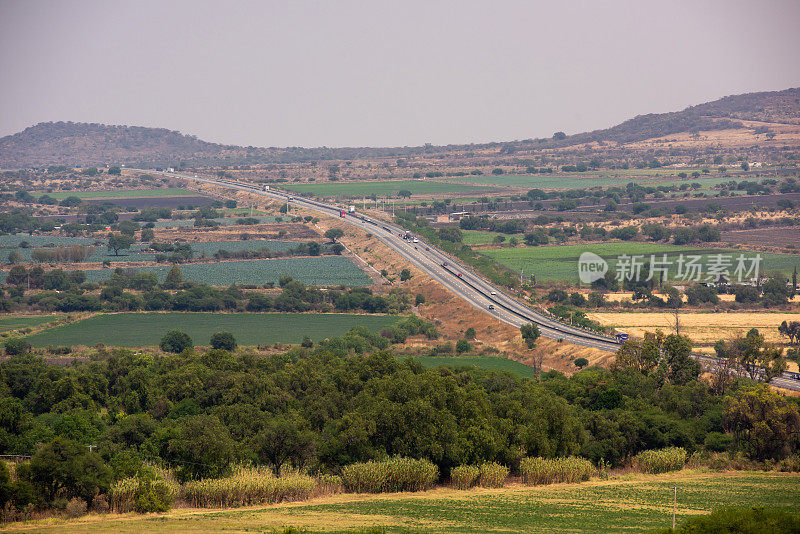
x,y
701,327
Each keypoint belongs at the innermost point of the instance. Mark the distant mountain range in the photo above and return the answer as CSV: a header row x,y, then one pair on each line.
x,y
70,143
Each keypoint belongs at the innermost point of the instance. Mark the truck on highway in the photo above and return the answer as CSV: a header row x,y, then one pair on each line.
x,y
351,209
342,213
621,337
266,188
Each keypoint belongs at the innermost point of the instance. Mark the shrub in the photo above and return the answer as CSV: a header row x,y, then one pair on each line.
x,y
464,476
661,460
142,494
176,341
75,508
248,486
223,341
394,474
550,471
16,346
492,475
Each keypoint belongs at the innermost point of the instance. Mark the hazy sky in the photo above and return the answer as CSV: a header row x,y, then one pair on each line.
x,y
371,73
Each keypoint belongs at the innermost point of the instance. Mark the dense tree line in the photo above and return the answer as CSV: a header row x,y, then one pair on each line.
x,y
346,400
130,290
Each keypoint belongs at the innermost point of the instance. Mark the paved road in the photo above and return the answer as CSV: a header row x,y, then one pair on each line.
x,y
458,279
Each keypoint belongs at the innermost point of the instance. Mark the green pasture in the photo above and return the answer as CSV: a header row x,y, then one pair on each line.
x,y
147,329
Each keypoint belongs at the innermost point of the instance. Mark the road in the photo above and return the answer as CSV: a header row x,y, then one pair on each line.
x,y
455,277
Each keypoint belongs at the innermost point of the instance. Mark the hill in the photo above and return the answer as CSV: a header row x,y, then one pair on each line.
x,y
68,143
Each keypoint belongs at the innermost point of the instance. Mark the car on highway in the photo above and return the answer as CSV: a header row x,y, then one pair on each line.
x,y
460,275
493,293
491,306
445,264
416,240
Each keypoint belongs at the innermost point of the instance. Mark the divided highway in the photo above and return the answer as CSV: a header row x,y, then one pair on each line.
x,y
455,277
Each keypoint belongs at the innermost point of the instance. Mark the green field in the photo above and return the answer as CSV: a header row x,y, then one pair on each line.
x,y
124,193
543,181
13,322
482,237
561,262
633,504
382,188
147,329
321,271
13,241
492,363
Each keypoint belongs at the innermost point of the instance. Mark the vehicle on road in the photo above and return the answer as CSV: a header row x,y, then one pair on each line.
x,y
621,337
460,275
494,293
491,306
416,240
445,264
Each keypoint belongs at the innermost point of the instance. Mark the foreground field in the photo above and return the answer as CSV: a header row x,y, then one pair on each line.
x,y
14,322
147,329
631,504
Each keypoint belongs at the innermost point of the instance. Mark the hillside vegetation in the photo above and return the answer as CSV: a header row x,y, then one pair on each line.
x,y
69,143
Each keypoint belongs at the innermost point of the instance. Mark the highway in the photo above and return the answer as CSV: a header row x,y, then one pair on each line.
x,y
458,279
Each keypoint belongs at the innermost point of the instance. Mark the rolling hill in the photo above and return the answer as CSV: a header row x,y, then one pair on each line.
x,y
69,143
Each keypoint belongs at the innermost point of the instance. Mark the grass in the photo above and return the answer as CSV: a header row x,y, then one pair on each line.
x,y
381,188
483,237
492,363
560,262
147,329
634,504
124,193
15,322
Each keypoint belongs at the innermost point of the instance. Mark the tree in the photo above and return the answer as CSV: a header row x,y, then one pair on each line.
x,y
202,448
470,333
282,440
405,274
223,341
559,136
760,360
334,233
462,346
14,257
775,291
419,299
451,233
117,242
699,293
580,363
17,346
66,467
176,341
174,279
114,171
530,333
404,193
765,425
148,234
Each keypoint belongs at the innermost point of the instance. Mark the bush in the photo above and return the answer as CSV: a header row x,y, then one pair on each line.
x,y
464,476
462,346
661,460
395,474
17,346
176,341
142,494
247,487
492,475
75,508
223,341
549,471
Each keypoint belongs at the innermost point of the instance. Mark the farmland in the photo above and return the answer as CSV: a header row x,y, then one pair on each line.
x,y
492,363
383,188
324,271
633,504
560,262
123,193
15,322
146,329
700,327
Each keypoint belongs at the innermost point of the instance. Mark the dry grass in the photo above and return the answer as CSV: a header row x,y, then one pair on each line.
x,y
700,327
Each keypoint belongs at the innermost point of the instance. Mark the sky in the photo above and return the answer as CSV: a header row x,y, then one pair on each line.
x,y
374,73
